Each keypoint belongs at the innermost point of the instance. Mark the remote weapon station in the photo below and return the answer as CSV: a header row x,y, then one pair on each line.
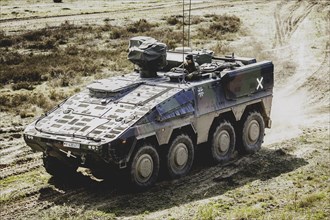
x,y
157,115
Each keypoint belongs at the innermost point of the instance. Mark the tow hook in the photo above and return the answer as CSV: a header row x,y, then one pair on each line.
x,y
68,153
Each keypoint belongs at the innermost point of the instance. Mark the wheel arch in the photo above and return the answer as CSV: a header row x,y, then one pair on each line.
x,y
261,107
226,116
186,129
152,140
155,141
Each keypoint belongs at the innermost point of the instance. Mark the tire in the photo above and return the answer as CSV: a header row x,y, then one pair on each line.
x,y
223,142
144,168
57,168
252,133
180,156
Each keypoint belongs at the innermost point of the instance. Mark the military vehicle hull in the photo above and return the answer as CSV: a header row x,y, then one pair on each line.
x,y
131,123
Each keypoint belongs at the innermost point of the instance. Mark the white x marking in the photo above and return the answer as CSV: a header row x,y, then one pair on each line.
x,y
259,83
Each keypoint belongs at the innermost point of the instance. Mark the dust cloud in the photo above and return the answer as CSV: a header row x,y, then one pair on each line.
x,y
289,114
293,109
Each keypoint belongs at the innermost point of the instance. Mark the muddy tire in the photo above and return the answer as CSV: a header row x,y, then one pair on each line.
x,y
223,142
57,168
144,167
252,134
180,156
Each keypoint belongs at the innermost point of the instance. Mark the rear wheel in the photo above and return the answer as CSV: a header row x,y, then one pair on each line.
x,y
57,168
180,156
223,142
144,168
252,133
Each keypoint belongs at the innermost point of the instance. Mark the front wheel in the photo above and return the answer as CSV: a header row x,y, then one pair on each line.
x,y
180,156
252,133
144,168
223,142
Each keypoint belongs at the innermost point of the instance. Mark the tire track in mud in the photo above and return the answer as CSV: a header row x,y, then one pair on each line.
x,y
85,14
40,197
35,200
31,199
100,196
9,147
21,199
174,5
20,168
11,129
204,181
175,8
13,149
14,211
16,159
288,24
299,57
10,152
324,66
17,24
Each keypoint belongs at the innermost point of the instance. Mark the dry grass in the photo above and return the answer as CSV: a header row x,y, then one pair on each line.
x,y
221,24
178,20
62,56
21,101
140,26
173,20
221,47
22,85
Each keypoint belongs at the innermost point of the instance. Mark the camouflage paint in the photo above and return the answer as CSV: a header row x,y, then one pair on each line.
x,y
105,122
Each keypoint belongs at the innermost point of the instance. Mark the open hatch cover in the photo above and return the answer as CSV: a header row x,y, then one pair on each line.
x,y
111,87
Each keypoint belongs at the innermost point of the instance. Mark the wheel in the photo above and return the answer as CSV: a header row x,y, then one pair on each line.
x,y
57,168
144,168
252,133
180,156
223,142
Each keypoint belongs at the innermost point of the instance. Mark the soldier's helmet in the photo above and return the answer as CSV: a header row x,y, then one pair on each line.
x,y
189,57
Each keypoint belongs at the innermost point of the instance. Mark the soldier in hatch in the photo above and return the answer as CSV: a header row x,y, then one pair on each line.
x,y
191,67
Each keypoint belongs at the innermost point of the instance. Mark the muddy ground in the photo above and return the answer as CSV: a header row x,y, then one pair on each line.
x,y
288,179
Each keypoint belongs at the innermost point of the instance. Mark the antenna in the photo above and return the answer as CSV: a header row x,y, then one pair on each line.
x,y
189,23
183,24
182,30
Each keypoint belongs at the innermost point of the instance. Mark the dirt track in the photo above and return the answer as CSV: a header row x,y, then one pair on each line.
x,y
294,34
115,13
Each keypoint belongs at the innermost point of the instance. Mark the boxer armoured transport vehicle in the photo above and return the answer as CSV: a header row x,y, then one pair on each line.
x,y
153,117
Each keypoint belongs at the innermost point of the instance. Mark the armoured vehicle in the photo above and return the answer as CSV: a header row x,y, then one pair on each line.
x,y
154,117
